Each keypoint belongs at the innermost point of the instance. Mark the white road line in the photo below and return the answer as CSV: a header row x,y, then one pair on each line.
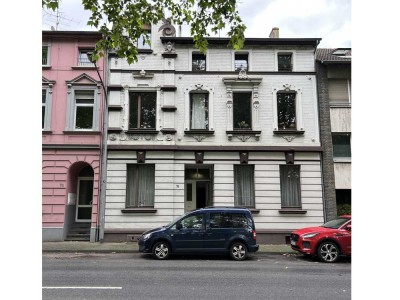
x,y
83,287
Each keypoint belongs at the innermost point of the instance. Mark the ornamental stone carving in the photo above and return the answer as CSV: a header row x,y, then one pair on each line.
x,y
167,28
169,47
199,138
289,138
242,74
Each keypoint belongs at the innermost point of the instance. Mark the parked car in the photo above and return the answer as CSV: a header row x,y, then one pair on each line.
x,y
206,230
328,241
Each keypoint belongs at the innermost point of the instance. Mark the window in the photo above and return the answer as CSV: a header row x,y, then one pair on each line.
x,y
194,221
285,62
341,145
244,185
142,110
198,62
199,111
286,111
84,58
140,185
242,111
44,97
142,44
241,61
290,186
84,107
339,91
228,220
45,56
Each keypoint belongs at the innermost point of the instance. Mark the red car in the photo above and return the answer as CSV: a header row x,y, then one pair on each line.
x,y
328,241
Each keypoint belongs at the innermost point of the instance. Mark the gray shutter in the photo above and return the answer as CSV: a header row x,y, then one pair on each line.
x,y
338,91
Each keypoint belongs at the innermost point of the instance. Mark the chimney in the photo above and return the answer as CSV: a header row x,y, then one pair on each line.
x,y
274,33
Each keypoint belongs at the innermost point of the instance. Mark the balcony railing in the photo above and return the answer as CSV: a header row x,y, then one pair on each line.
x,y
85,62
240,65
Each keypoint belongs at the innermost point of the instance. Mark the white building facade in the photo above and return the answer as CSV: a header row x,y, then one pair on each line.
x,y
228,128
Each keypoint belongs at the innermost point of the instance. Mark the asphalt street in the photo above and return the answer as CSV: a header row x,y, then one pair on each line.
x,y
138,276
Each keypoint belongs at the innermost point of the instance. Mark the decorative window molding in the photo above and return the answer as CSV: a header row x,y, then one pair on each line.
x,y
199,89
46,54
47,86
290,187
299,111
243,84
82,83
282,51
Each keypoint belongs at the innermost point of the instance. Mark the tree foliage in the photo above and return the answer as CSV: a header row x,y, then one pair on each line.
x,y
121,22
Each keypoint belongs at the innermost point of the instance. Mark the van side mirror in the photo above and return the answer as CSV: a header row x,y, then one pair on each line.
x,y
179,226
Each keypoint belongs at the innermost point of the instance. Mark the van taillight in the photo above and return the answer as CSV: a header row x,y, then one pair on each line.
x,y
254,235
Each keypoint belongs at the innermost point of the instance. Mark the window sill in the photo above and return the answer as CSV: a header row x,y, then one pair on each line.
x,y
168,130
199,131
254,211
144,131
83,68
292,211
47,132
45,67
340,105
114,130
342,159
299,132
81,132
138,210
145,51
243,131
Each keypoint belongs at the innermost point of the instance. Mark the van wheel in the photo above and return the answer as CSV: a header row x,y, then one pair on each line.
x,y
161,250
328,252
238,251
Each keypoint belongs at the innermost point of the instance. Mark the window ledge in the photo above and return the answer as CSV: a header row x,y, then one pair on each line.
x,y
114,130
138,210
299,132
244,131
254,211
83,68
45,67
168,130
145,51
289,211
340,105
199,131
47,132
342,160
143,131
81,132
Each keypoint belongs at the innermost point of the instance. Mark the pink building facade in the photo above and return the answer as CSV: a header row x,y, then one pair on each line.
x,y
72,110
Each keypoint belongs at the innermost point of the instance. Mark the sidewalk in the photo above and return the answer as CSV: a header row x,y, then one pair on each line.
x,y
132,247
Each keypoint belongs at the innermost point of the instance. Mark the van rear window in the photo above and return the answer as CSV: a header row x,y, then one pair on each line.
x,y
228,220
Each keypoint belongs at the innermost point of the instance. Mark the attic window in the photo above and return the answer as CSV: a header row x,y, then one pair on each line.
x,y
340,52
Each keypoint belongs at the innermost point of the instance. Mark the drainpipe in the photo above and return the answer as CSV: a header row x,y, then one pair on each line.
x,y
103,153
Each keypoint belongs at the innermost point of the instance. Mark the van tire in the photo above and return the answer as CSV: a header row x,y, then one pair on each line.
x,y
238,251
161,250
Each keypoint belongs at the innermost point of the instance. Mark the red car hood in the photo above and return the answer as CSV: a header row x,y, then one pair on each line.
x,y
313,229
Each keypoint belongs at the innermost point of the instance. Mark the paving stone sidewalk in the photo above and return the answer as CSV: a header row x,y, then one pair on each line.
x,y
131,247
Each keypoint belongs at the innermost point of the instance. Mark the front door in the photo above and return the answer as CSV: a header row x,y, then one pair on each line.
x,y
197,194
84,199
191,234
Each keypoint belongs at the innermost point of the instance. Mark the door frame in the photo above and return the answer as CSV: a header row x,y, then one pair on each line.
x,y
77,201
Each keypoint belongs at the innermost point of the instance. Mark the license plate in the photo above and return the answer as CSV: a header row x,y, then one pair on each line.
x,y
293,243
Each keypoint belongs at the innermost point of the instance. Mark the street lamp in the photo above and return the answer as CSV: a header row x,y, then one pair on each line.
x,y
103,153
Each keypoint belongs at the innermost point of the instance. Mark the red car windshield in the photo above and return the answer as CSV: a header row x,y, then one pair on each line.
x,y
335,223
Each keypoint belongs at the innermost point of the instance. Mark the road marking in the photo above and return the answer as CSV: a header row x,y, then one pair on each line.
x,y
83,287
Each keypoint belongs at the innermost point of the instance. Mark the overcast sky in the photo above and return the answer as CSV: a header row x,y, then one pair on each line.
x,y
326,19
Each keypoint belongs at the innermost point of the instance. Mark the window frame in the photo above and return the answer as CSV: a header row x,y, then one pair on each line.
x,y
285,52
137,111
48,86
87,63
72,87
145,46
199,89
284,203
197,52
135,203
236,201
48,55
287,88
336,103
234,60
250,110
341,158
77,105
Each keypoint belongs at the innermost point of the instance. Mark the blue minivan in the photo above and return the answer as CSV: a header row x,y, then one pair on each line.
x,y
205,230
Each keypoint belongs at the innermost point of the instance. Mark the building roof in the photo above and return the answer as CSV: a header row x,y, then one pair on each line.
x,y
248,41
333,55
56,33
